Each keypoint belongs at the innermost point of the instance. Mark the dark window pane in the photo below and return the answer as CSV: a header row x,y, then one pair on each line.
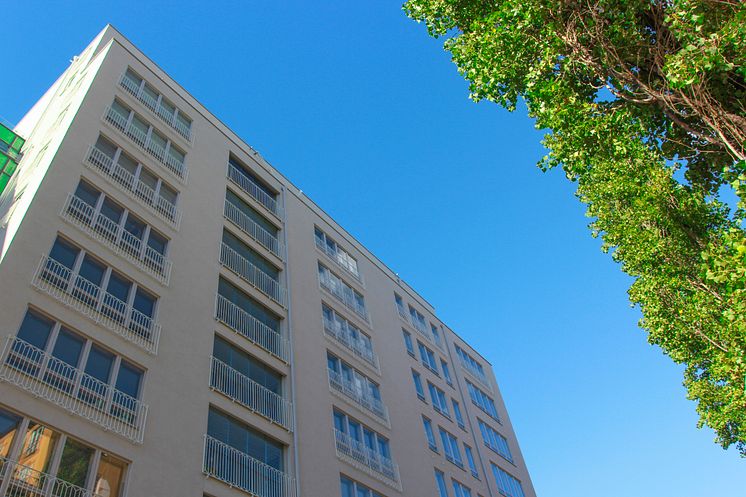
x,y
87,193
128,379
75,462
144,302
67,347
99,364
64,253
35,329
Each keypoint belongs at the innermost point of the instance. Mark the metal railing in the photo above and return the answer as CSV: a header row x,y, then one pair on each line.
x,y
338,260
132,186
252,274
250,394
76,292
370,461
251,328
337,288
363,399
248,186
40,373
25,481
143,141
251,228
155,107
341,335
240,470
114,236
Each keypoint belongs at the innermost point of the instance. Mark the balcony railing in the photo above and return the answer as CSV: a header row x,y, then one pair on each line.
x,y
474,373
338,260
240,470
248,186
155,107
365,459
115,237
76,292
363,399
25,481
251,228
145,143
346,297
343,337
132,186
250,394
251,328
252,274
51,379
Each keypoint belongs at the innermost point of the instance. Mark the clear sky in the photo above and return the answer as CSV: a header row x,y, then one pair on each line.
x,y
363,111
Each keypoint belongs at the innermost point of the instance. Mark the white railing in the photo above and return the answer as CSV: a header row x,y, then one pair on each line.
x,y
114,236
25,481
51,379
251,228
251,328
363,399
338,260
341,335
155,107
240,470
252,274
250,394
132,186
250,187
474,373
365,459
76,292
143,141
337,289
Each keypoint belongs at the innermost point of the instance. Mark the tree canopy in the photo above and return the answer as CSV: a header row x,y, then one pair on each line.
x,y
644,106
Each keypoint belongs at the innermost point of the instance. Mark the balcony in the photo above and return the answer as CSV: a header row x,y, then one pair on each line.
x,y
252,274
250,394
344,338
256,232
346,297
143,140
474,373
338,260
367,460
44,376
339,384
95,303
114,236
156,107
239,470
251,328
133,187
25,481
254,191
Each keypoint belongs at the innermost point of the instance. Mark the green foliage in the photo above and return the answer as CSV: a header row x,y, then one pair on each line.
x,y
643,103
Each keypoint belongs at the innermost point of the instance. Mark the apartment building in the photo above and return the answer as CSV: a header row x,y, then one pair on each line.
x,y
179,319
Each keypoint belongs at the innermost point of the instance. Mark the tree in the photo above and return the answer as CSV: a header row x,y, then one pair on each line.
x,y
643,103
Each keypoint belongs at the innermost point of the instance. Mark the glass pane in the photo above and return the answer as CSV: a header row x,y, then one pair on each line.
x,y
92,270
112,211
128,379
144,302
38,446
75,462
148,178
105,146
64,253
134,226
109,477
68,347
127,163
118,287
87,193
168,194
8,427
35,329
157,242
99,363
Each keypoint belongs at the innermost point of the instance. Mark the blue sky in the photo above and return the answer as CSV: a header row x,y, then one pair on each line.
x,y
363,111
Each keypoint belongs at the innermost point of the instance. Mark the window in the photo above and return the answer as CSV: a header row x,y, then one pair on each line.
x,y
248,366
493,440
446,372
98,286
157,103
248,305
47,451
249,258
345,293
359,435
470,460
348,334
408,342
506,483
441,482
428,358
460,490
230,431
418,384
400,305
350,488
418,320
470,363
438,398
354,384
252,214
429,433
339,255
482,400
253,178
450,447
134,177
436,335
457,413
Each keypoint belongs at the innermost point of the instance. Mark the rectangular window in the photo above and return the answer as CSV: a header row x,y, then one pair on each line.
x,y
493,440
418,320
337,254
247,366
418,384
248,305
355,433
429,433
400,305
428,358
438,398
450,447
408,342
446,372
457,413
482,400
460,490
157,103
253,215
249,259
470,363
436,335
350,297
354,384
440,480
350,488
470,460
348,334
230,431
506,483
